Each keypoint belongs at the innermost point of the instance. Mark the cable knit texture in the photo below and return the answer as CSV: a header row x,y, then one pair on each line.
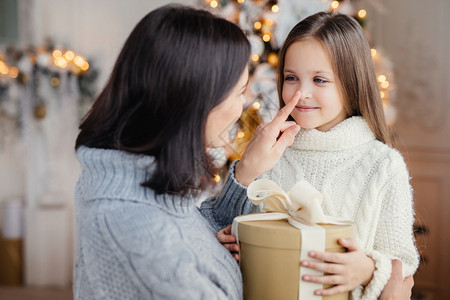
x,y
363,180
133,244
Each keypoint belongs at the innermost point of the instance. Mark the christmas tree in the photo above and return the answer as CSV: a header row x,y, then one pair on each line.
x,y
266,24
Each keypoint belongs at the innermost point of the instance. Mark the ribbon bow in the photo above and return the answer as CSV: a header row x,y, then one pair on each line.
x,y
303,202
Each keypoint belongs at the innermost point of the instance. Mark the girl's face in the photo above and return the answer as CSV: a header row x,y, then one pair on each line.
x,y
307,68
223,116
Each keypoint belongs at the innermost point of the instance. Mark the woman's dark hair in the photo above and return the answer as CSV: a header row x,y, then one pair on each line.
x,y
177,64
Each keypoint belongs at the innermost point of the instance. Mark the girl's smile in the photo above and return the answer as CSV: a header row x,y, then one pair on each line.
x,y
306,108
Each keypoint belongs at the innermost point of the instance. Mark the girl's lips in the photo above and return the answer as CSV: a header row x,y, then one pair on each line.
x,y
304,108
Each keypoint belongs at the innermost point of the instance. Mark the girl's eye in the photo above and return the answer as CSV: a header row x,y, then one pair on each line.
x,y
320,80
289,78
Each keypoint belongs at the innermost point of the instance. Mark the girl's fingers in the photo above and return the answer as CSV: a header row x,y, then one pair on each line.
x,y
337,289
335,281
331,279
231,247
349,243
323,267
227,230
225,236
332,257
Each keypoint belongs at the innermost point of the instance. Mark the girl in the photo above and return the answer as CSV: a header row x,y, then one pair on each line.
x,y
344,150
176,87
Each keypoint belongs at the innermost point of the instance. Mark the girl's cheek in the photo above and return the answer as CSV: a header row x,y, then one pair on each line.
x,y
284,96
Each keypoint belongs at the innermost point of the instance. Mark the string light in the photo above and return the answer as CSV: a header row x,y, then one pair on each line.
x,y
268,22
362,13
4,69
275,8
240,1
257,25
13,72
216,178
255,57
54,81
241,135
85,66
385,84
273,59
373,52
381,78
214,4
69,55
334,5
60,62
56,53
266,37
256,105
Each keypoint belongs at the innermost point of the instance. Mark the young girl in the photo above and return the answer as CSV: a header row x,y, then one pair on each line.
x,y
344,150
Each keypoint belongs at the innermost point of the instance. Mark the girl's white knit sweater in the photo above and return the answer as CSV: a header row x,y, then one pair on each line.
x,y
363,180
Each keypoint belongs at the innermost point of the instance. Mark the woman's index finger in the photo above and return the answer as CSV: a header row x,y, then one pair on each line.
x,y
286,110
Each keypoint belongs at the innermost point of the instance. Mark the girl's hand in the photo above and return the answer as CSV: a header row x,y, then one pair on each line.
x,y
268,144
397,288
343,271
228,241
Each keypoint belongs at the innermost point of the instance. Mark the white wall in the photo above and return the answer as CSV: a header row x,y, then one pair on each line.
x,y
96,29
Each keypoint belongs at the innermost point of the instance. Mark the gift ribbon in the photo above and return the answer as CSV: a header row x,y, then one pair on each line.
x,y
301,206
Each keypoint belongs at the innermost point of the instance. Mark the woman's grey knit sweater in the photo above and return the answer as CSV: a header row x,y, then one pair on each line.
x,y
133,244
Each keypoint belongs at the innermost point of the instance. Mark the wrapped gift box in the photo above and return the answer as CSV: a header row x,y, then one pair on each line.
x,y
270,258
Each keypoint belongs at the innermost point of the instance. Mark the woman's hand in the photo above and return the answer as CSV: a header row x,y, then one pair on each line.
x,y
268,144
343,271
229,241
397,288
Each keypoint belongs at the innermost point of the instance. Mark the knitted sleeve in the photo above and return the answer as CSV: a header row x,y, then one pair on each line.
x,y
127,260
231,202
394,237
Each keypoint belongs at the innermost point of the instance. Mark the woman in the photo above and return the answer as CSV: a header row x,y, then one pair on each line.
x,y
176,88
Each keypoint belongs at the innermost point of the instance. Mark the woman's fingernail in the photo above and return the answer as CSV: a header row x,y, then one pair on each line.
x,y
306,278
312,253
305,263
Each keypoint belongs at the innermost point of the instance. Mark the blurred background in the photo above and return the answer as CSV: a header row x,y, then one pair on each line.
x,y
55,56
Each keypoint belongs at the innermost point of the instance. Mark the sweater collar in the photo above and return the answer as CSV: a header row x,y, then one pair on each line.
x,y
350,133
115,174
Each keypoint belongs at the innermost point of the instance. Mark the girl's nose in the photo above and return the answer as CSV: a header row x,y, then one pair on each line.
x,y
306,93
